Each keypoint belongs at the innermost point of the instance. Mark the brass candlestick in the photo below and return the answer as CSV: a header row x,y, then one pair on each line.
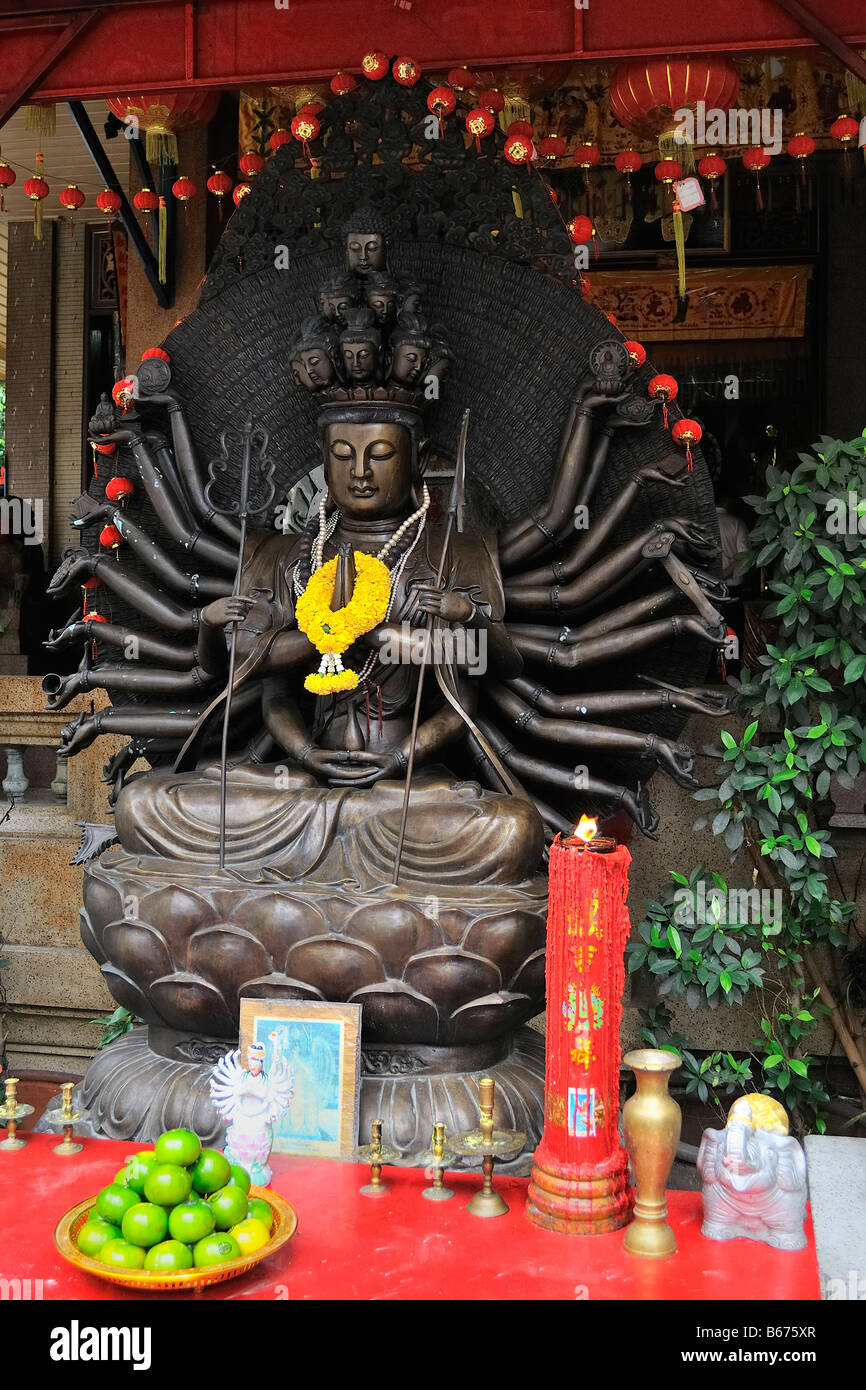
x,y
491,1144
11,1111
438,1154
376,1154
66,1116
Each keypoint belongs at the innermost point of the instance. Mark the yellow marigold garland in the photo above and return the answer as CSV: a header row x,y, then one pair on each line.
x,y
332,632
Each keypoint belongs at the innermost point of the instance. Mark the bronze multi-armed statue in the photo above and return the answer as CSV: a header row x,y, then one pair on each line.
x,y
431,914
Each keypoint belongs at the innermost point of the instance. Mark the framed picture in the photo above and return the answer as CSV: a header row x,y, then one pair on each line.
x,y
322,1045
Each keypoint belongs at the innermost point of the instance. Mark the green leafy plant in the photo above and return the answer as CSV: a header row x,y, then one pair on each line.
x,y
803,731
116,1025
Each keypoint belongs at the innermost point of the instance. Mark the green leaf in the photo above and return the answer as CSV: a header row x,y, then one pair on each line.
x,y
773,1060
675,941
725,981
727,740
799,1067
813,846
750,732
854,670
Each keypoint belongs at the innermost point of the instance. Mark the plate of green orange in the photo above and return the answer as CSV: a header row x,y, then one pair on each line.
x,y
175,1217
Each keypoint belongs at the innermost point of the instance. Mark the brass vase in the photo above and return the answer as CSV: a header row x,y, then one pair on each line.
x,y
651,1122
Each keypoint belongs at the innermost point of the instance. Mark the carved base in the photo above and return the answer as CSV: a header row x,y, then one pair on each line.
x,y
157,1079
581,1201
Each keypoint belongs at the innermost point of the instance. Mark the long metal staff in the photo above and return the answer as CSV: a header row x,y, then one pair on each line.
x,y
239,508
456,501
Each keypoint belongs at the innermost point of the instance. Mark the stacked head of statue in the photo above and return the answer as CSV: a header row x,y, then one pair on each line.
x,y
313,354
366,242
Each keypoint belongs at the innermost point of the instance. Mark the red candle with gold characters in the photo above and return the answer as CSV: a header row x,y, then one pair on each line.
x,y
579,1181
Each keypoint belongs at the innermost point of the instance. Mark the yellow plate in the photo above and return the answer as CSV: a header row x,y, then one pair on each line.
x,y
283,1227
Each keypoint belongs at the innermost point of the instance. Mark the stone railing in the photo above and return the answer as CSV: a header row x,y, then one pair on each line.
x,y
53,987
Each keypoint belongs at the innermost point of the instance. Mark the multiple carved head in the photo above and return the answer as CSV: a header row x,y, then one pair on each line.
x,y
369,339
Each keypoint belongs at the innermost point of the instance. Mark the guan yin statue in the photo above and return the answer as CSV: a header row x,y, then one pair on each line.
x,y
564,657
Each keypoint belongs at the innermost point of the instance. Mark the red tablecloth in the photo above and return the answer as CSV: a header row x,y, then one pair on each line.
x,y
399,1246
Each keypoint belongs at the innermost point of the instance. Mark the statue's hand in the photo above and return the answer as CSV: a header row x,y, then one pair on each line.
x,y
444,603
367,768
679,759
696,537
650,474
224,611
339,768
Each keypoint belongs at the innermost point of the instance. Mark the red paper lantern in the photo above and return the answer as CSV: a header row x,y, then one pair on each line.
x,y
800,146
755,159
461,79
687,432
441,101
240,192
551,147
109,202
492,100
342,82
155,352
105,448
219,184
663,388
479,123
375,65
587,156
119,489
162,115
279,138
251,164
145,200
90,584
37,190
123,392
636,352
581,230
311,108
712,166
305,128
71,197
111,538
667,170
406,71
646,94
520,128
184,189
518,150
628,162
7,178
845,129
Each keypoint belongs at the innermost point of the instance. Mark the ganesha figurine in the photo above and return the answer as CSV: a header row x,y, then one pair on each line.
x,y
754,1178
553,644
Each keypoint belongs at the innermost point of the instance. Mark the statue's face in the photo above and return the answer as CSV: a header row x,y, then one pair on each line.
x,y
301,375
383,303
317,365
359,361
408,363
334,306
365,251
369,468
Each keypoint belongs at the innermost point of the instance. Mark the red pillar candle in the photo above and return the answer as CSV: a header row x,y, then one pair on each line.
x,y
579,1179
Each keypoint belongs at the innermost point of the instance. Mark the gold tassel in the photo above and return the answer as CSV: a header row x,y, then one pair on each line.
x,y
518,203
41,118
516,108
683,151
161,146
163,237
680,241
855,88
37,219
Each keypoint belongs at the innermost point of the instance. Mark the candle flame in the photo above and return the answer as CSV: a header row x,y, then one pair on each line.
x,y
586,829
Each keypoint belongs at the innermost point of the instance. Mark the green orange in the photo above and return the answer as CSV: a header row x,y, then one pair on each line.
x,y
114,1202
191,1221
137,1168
216,1249
122,1255
240,1177
167,1184
211,1172
259,1208
171,1254
94,1234
179,1146
145,1224
229,1206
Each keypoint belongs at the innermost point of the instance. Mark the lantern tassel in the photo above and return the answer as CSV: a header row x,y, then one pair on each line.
x,y
680,241
37,219
163,238
161,146
40,118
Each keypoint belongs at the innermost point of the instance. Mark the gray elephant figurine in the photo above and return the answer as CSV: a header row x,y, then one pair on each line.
x,y
754,1185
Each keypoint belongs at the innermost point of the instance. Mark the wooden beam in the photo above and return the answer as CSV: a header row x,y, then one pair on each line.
x,y
847,55
32,8
21,91
164,296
